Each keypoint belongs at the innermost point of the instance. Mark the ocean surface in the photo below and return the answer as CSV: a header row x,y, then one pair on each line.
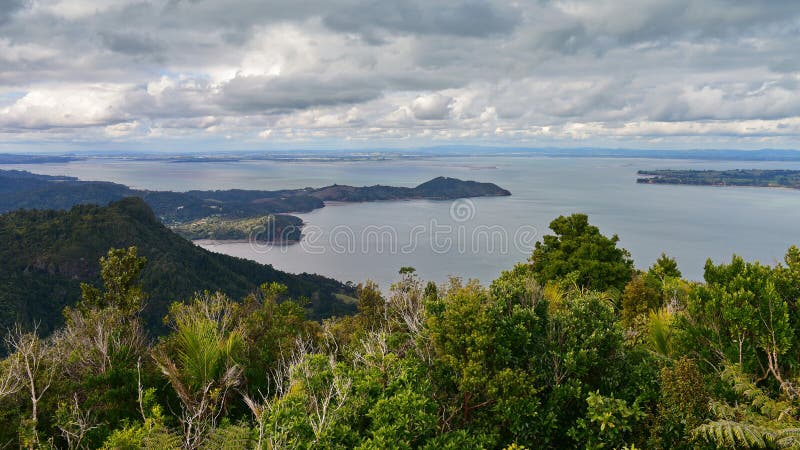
x,y
479,238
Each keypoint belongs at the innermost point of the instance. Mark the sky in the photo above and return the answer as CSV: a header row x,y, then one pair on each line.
x,y
280,74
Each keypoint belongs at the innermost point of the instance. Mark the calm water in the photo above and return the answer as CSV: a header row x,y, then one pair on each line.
x,y
478,239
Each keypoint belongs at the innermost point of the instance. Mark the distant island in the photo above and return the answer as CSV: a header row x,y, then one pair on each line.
x,y
8,158
740,177
233,214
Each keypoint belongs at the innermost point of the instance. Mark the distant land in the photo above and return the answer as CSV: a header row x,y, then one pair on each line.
x,y
741,177
35,159
188,212
411,153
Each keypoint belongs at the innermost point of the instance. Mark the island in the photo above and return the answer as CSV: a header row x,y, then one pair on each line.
x,y
234,214
739,177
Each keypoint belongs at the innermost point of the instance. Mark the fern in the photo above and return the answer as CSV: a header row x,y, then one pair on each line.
x,y
758,421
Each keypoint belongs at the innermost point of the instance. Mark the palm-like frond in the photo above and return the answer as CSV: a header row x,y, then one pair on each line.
x,y
788,438
660,332
730,434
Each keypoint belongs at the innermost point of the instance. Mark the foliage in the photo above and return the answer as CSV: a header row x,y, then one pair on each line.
x,y
279,228
578,247
516,364
47,255
755,421
740,177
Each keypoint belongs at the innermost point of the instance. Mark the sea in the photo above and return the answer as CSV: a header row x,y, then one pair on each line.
x,y
479,238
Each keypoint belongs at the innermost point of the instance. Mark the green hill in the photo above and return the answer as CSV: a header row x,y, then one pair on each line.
x,y
44,255
20,189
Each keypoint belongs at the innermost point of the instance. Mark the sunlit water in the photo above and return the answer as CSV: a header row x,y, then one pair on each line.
x,y
373,240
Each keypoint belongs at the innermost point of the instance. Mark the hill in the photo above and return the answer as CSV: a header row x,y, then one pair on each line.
x,y
31,191
739,177
439,188
186,212
44,255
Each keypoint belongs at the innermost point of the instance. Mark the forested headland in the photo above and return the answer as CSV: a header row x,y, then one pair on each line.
x,y
738,177
223,214
574,348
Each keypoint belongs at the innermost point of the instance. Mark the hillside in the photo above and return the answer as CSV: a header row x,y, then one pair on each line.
x,y
439,188
44,255
187,212
31,191
740,177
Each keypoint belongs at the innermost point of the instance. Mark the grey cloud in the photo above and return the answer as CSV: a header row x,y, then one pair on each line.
x,y
474,19
10,7
131,43
523,65
268,94
432,107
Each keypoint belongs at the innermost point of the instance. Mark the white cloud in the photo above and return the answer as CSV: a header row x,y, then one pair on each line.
x,y
68,106
431,107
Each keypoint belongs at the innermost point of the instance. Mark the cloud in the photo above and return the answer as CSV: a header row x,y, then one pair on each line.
x,y
269,94
131,43
431,107
467,19
10,7
72,107
549,72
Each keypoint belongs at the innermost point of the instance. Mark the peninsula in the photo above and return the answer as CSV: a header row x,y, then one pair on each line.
x,y
222,214
740,177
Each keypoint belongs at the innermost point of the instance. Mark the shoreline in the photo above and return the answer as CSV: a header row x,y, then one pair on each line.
x,y
241,241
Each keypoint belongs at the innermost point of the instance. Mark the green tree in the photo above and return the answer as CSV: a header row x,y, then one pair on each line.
x,y
199,361
638,300
460,327
271,327
371,305
682,407
120,270
578,247
609,422
740,316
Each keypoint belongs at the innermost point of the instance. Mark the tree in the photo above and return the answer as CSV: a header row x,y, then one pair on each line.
x,y
740,316
270,331
682,407
198,360
638,300
460,328
120,270
371,305
36,366
578,247
665,267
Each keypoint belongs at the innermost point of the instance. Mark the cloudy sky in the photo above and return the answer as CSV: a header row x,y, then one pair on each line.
x,y
253,74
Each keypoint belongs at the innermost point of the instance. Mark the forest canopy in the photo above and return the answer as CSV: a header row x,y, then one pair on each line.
x,y
572,349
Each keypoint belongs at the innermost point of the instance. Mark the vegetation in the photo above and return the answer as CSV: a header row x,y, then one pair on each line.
x,y
580,252
272,228
26,190
45,255
588,353
749,177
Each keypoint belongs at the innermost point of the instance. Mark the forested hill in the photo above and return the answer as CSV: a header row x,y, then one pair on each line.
x,y
439,188
44,255
739,177
20,189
